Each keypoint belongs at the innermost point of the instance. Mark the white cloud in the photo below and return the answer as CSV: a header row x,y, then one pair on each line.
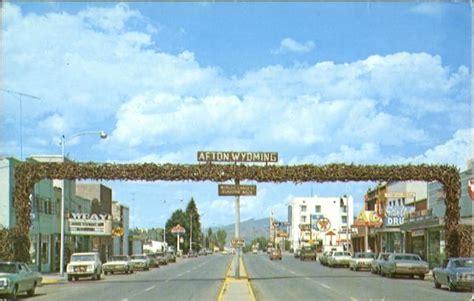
x,y
290,45
428,9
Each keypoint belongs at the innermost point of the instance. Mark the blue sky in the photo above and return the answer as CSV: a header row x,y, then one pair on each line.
x,y
369,83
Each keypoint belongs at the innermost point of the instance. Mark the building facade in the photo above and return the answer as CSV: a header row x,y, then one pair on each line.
x,y
320,220
120,216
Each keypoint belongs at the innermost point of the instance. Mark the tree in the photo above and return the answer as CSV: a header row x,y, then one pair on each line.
x,y
177,217
210,239
192,217
221,236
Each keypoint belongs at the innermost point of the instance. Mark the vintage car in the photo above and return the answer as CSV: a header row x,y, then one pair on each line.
x,y
154,263
375,266
161,258
361,260
17,278
308,253
275,254
339,258
140,262
323,259
118,264
456,273
192,254
404,264
84,265
170,256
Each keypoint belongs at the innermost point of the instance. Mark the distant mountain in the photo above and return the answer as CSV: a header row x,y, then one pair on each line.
x,y
249,229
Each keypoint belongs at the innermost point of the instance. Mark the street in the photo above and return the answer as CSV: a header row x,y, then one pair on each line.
x,y
292,279
188,279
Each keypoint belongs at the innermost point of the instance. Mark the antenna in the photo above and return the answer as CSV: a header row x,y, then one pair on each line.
x,y
20,94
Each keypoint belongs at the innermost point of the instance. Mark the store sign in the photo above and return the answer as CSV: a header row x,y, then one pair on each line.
x,y
323,224
90,224
400,195
417,233
304,227
367,218
178,229
395,215
205,156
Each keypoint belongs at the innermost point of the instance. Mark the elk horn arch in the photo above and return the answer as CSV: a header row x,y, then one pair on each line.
x,y
29,172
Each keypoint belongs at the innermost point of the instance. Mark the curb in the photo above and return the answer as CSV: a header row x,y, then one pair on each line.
x,y
224,283
249,285
52,281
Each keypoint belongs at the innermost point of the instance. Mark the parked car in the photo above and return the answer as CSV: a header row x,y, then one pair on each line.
x,y
118,264
376,263
171,256
456,273
140,262
84,265
275,254
17,278
339,259
154,263
361,260
404,264
161,258
323,259
308,253
192,254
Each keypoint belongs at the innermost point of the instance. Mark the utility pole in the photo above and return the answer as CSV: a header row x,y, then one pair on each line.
x,y
20,94
191,234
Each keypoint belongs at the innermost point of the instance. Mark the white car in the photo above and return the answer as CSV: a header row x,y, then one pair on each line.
x,y
140,262
84,265
119,263
361,260
339,259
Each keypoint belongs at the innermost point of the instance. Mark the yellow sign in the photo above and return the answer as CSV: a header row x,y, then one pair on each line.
x,y
367,217
117,231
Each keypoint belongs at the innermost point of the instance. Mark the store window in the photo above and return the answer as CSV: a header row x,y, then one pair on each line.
x,y
45,249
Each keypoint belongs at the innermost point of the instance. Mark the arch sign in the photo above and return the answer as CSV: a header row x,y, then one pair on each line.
x,y
16,244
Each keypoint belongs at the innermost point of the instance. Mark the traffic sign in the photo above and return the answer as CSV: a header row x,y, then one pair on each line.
x,y
237,242
237,189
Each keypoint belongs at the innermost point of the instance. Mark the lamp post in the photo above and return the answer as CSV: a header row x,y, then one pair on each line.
x,y
103,135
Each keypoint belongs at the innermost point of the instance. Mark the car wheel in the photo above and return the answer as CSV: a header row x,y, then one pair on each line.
x,y
13,294
451,286
76,278
436,283
422,276
411,276
99,275
105,272
112,273
69,278
31,292
356,269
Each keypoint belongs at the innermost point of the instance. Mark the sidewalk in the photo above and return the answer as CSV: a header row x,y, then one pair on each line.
x,y
53,278
236,289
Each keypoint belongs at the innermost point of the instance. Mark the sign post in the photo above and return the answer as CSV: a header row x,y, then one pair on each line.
x,y
237,230
237,190
178,230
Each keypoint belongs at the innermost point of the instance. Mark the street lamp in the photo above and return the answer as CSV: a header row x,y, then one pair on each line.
x,y
103,135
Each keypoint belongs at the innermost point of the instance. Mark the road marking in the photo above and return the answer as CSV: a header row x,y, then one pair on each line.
x,y
325,286
354,299
294,273
150,288
126,299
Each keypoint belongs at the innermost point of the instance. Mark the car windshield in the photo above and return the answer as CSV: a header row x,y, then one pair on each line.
x,y
367,255
7,268
138,257
82,258
384,256
407,257
118,258
463,263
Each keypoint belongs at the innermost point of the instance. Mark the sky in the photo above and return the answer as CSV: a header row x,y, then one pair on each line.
x,y
319,83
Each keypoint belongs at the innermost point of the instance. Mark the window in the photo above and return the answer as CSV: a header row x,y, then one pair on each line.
x,y
303,208
318,208
303,219
344,219
344,209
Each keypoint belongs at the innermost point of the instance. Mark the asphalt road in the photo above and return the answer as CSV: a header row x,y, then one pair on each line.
x,y
188,279
292,279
